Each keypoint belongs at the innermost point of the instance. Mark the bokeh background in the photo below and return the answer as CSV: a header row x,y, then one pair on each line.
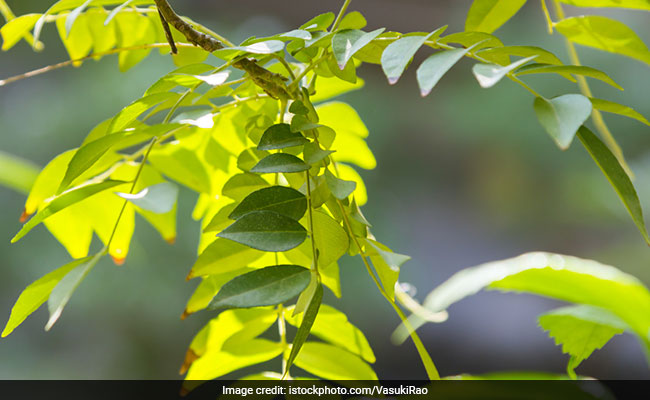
x,y
465,176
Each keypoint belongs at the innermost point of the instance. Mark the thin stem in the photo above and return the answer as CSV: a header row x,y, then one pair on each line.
x,y
429,366
285,64
135,182
304,72
314,265
88,57
282,331
337,21
525,86
596,116
549,21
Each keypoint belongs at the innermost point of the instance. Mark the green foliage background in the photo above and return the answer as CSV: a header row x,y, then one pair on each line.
x,y
464,176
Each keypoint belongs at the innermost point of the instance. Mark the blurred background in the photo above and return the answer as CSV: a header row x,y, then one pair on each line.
x,y
465,176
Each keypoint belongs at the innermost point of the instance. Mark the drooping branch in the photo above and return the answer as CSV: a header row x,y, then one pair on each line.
x,y
273,84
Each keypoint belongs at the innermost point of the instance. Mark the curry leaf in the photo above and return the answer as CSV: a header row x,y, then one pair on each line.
x,y
280,162
280,136
489,15
266,230
562,116
283,200
307,322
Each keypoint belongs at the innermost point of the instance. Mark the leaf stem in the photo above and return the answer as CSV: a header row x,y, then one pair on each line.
x,y
304,72
596,116
549,21
282,331
314,265
429,366
340,15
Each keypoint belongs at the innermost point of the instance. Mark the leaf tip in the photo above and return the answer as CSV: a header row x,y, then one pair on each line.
x,y
184,315
171,240
24,216
393,80
425,92
119,261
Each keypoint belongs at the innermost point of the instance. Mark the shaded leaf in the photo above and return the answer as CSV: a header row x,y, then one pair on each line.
x,y
280,136
313,153
562,116
604,34
611,107
340,189
283,200
305,326
434,67
387,265
616,176
489,75
280,162
64,200
266,230
398,55
262,287
17,173
568,69
489,15
346,43
65,288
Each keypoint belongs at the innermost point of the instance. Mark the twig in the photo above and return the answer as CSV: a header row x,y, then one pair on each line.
x,y
168,33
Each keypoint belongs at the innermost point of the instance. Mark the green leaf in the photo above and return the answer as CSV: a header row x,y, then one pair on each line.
x,y
280,136
208,288
333,326
115,11
489,15
611,107
352,20
333,363
581,329
561,277
298,107
638,4
283,200
183,166
346,43
387,265
313,153
262,287
129,113
604,34
398,55
280,162
562,116
223,256
327,88
434,67
331,239
616,176
319,23
17,29
489,75
340,189
266,230
307,322
480,39
36,294
159,198
264,47
241,185
17,173
65,288
64,200
543,56
568,69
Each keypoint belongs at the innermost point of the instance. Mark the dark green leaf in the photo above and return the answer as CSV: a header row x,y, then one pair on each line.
x,y
280,136
280,162
63,290
346,43
297,107
562,116
281,199
340,189
305,327
64,200
266,230
262,287
398,55
616,176
568,69
611,107
489,15
604,34
159,198
489,75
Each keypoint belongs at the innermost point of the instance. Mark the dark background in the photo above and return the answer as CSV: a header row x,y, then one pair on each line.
x,y
465,176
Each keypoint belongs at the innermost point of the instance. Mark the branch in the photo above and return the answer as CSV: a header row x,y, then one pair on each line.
x,y
273,84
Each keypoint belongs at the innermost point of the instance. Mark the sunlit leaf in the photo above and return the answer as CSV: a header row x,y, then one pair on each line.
x,y
129,113
340,189
159,198
266,230
183,166
434,67
346,43
283,200
319,23
612,107
604,34
262,287
306,325
208,288
616,175
331,239
562,116
17,29
241,185
223,256
72,17
352,20
542,56
398,55
567,69
333,363
638,4
387,264
489,15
